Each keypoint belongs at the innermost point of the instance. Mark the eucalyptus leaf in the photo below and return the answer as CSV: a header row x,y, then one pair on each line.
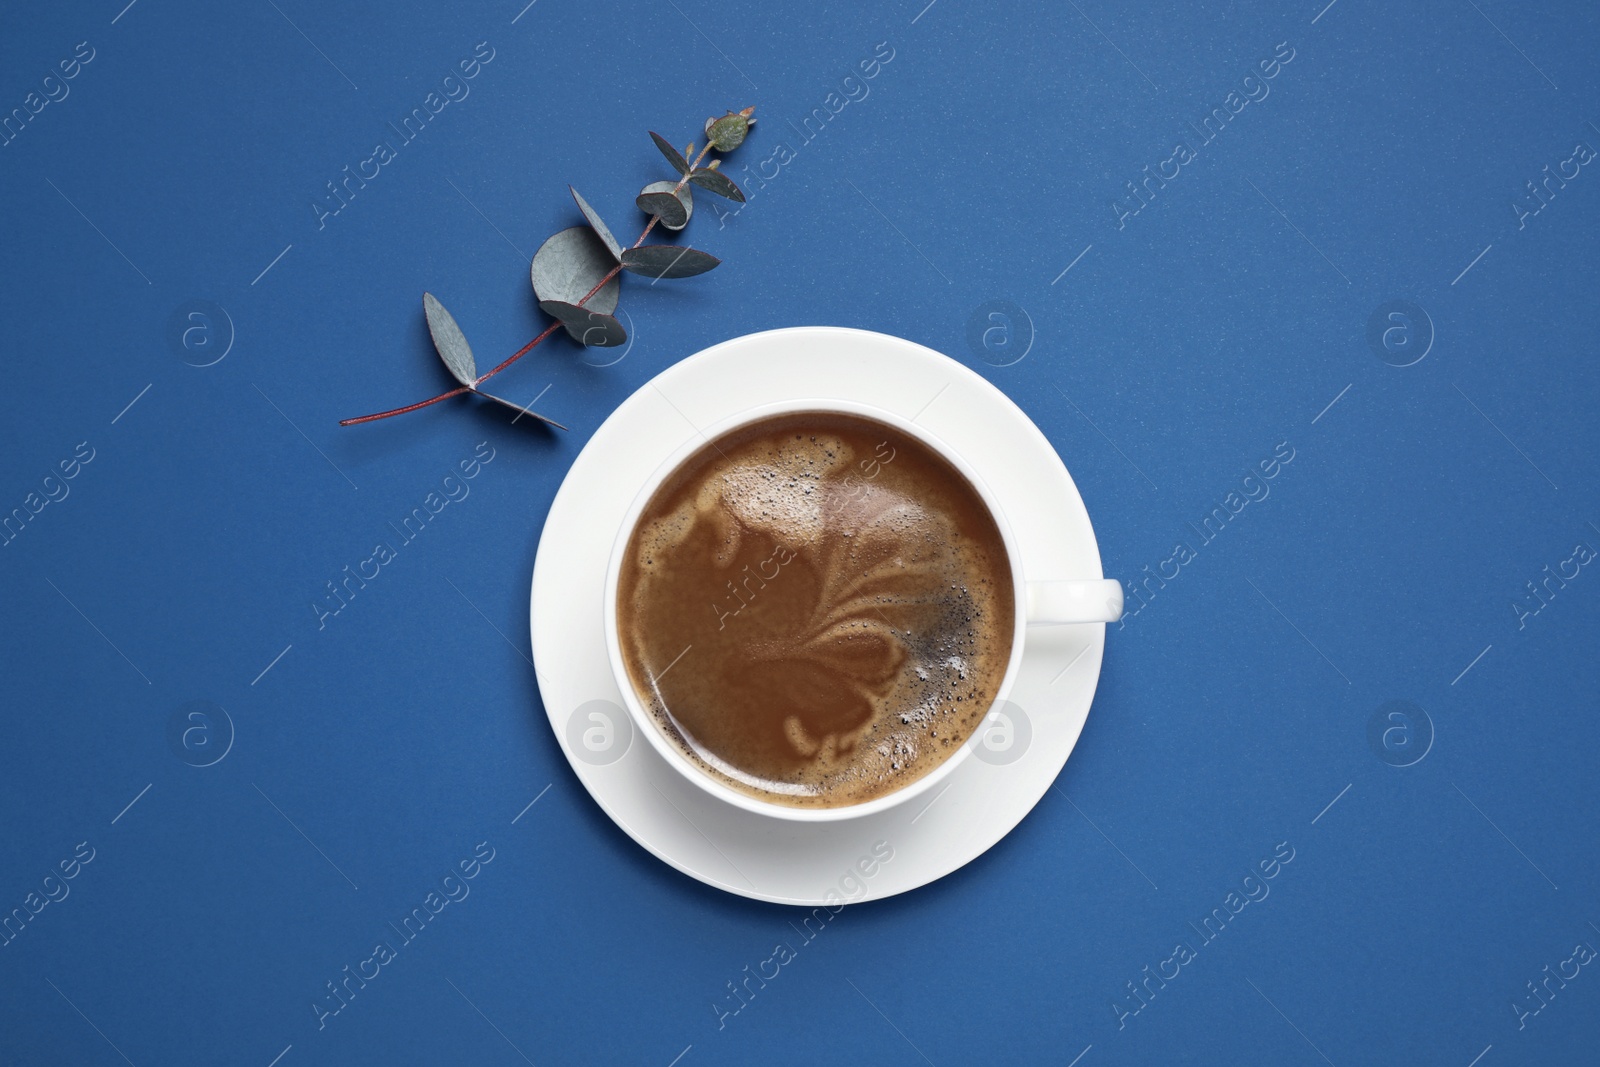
x,y
667,261
727,133
451,342
514,406
599,226
679,164
717,182
668,202
570,264
585,326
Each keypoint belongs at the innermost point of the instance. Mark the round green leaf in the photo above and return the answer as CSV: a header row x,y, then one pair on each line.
x,y
667,261
514,406
571,263
599,226
727,133
670,203
674,157
450,342
585,326
717,182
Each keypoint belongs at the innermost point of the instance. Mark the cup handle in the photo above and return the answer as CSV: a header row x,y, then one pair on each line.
x,y
1083,600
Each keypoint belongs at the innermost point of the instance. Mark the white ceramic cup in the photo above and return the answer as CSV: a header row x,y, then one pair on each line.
x,y
1038,602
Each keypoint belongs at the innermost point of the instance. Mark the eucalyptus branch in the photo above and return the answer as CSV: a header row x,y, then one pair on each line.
x,y
589,258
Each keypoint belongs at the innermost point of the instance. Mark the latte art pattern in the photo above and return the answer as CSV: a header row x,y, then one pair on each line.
x,y
817,609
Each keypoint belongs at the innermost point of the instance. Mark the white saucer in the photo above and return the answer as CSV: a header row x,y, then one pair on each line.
x,y
746,853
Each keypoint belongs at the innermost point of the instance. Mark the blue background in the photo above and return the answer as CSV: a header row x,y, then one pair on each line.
x,y
373,754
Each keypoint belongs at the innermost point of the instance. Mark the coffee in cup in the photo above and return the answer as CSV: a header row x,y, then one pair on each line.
x,y
816,608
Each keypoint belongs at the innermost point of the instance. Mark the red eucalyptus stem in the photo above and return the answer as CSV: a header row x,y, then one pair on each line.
x,y
525,349
410,407
519,353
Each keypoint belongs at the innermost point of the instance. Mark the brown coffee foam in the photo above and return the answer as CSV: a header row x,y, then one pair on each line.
x,y
874,616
